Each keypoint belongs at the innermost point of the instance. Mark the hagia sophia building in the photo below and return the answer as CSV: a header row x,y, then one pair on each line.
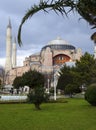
x,y
49,60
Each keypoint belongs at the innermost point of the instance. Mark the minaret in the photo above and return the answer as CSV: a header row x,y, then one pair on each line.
x,y
14,53
8,63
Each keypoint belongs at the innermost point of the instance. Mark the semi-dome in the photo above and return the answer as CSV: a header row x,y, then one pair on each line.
x,y
59,44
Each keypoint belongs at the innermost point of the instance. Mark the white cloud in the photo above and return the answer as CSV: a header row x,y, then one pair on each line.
x,y
2,62
41,29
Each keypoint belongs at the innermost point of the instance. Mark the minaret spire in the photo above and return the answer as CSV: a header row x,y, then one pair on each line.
x,y
9,24
8,63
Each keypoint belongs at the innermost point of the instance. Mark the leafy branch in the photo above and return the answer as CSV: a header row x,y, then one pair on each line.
x,y
56,6
86,8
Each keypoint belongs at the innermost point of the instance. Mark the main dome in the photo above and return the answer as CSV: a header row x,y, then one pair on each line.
x,y
59,44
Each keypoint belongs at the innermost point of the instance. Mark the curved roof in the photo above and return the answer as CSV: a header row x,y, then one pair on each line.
x,y
58,41
59,44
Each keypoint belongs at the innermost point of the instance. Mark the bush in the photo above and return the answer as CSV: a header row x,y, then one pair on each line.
x,y
59,100
90,94
51,90
37,96
72,89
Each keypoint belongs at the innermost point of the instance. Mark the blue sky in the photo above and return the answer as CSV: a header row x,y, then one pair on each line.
x,y
41,29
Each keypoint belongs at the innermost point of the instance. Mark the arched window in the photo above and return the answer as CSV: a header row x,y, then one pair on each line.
x,y
60,59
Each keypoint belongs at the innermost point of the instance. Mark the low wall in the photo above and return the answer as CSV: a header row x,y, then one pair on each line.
x,y
12,97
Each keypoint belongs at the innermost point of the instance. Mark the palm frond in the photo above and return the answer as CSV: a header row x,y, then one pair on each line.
x,y
87,9
57,6
93,37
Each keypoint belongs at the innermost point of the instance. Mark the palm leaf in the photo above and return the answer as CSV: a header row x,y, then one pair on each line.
x,y
56,6
86,8
93,37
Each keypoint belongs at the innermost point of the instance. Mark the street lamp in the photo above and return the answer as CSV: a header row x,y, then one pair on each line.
x,y
56,76
54,88
48,85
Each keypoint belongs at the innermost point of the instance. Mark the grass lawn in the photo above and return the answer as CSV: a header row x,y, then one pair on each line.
x,y
77,114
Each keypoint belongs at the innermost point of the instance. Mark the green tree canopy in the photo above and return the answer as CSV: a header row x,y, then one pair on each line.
x,y
33,78
64,78
86,68
37,96
90,94
84,73
68,75
18,82
71,89
87,9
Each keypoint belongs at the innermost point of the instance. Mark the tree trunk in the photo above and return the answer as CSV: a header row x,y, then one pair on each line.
x,y
71,95
37,106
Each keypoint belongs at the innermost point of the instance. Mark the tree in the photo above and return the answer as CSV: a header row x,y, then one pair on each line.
x,y
86,68
93,37
37,96
33,78
90,94
17,83
65,77
71,89
87,10
83,74
2,74
68,75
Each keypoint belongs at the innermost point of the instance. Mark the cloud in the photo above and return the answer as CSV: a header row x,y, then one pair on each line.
x,y
41,29
2,61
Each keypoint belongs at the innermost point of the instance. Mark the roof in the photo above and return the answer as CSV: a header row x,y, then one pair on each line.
x,y
58,41
35,54
59,44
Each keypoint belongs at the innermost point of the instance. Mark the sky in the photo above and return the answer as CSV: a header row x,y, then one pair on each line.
x,y
41,29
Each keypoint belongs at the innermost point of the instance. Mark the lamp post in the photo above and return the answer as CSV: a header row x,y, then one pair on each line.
x,y
48,85
56,76
54,87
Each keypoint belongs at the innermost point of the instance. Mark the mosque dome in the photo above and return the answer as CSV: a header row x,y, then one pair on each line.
x,y
59,44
